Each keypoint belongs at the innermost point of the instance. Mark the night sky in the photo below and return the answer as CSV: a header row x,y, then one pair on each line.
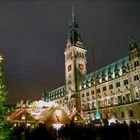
x,y
33,36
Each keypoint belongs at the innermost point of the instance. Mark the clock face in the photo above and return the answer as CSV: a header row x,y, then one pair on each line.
x,y
81,66
69,67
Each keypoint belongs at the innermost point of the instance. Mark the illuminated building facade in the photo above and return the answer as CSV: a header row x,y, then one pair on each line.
x,y
118,84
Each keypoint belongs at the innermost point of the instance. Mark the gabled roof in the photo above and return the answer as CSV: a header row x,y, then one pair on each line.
x,y
55,116
78,118
21,114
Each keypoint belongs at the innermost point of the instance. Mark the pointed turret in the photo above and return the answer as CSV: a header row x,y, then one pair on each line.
x,y
134,51
132,43
74,35
134,54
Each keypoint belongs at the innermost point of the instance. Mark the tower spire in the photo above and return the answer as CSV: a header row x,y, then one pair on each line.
x,y
132,42
73,21
74,35
73,14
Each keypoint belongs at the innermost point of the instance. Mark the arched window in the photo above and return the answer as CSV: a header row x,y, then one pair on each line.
x,y
131,113
122,114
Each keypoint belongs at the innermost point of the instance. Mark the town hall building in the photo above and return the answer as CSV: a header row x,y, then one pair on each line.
x,y
117,84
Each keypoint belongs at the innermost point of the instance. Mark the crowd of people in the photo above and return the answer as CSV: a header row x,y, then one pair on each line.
x,y
74,131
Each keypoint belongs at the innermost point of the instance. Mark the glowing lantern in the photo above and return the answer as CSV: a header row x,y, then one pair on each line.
x,y
75,118
23,117
28,124
58,113
15,125
1,58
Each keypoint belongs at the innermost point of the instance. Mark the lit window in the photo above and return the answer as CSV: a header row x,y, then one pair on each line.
x,y
131,113
126,82
87,105
111,86
83,95
123,98
122,114
92,92
87,93
98,90
137,95
118,84
104,88
119,100
136,77
136,63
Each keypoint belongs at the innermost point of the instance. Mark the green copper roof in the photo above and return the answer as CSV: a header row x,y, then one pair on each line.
x,y
112,68
74,34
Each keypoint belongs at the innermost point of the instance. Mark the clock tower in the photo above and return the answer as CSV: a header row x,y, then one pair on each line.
x,y
75,65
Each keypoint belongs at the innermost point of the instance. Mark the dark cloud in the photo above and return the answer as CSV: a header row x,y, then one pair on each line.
x,y
33,38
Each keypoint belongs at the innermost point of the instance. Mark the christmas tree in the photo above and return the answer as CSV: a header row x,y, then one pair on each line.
x,y
4,127
3,89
